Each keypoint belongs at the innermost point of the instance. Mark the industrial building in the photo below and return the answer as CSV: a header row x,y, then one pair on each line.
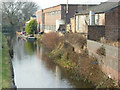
x,y
51,18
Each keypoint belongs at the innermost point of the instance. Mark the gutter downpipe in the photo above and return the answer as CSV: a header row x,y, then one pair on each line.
x,y
75,23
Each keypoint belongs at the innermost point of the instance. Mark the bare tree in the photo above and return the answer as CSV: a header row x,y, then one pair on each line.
x,y
15,13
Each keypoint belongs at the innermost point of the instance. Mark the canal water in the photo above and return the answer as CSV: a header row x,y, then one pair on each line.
x,y
33,69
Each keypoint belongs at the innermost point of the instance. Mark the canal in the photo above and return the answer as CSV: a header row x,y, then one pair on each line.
x,y
33,69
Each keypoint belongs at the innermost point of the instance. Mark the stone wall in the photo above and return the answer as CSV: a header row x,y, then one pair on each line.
x,y
95,32
110,63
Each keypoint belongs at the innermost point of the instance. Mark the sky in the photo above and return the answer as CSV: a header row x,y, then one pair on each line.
x,y
48,3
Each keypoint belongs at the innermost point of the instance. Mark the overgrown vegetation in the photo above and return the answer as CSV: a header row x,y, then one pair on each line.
x,y
6,67
101,51
31,28
76,39
50,40
80,65
113,43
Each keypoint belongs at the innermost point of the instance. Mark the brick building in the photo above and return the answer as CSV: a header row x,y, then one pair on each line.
x,y
106,14
46,18
110,63
112,25
40,20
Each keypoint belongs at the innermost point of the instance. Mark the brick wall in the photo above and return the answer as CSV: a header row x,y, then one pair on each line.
x,y
71,11
95,32
40,20
39,17
112,24
110,64
51,16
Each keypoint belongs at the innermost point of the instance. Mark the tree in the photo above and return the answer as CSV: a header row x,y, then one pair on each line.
x,y
31,28
15,13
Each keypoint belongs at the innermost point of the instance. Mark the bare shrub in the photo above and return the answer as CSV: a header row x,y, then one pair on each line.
x,y
50,40
76,39
74,57
101,51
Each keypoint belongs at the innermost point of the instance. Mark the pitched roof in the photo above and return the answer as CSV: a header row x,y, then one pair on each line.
x,y
103,7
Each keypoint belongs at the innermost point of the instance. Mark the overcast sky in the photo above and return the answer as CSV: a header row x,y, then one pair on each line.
x,y
48,3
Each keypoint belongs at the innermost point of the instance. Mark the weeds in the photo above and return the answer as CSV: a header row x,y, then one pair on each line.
x,y
79,64
50,40
101,51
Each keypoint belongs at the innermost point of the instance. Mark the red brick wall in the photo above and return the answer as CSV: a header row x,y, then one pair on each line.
x,y
112,24
51,19
39,20
112,29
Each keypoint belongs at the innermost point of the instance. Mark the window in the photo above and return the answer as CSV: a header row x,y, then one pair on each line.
x,y
54,12
97,19
64,7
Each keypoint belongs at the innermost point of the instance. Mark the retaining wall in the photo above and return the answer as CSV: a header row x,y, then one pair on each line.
x,y
110,63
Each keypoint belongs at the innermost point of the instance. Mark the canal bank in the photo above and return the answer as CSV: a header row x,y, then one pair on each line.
x,y
70,70
7,74
32,68
81,66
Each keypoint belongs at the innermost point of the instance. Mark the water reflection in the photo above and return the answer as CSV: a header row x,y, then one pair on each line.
x,y
58,72
30,47
39,51
33,69
58,75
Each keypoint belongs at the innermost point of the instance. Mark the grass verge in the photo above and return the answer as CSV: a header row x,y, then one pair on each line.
x,y
0,60
6,67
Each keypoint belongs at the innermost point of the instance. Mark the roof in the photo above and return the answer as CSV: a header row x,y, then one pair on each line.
x,y
101,8
79,6
69,5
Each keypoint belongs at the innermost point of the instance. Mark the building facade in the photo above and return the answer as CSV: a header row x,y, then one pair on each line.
x,y
40,20
83,20
106,25
112,25
46,18
105,14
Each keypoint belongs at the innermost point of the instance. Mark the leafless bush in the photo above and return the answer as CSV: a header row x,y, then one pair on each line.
x,y
101,51
50,40
76,39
